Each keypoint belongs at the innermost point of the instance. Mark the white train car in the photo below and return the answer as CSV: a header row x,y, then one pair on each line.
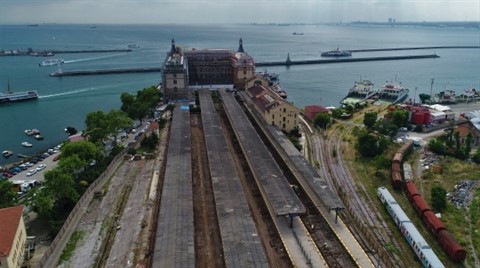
x,y
423,251
407,172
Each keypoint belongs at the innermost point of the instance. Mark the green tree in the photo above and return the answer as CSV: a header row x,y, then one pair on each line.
x,y
101,126
468,143
43,203
386,128
62,188
424,97
437,146
370,145
337,113
439,198
369,119
476,156
8,197
85,151
400,117
381,162
322,120
458,145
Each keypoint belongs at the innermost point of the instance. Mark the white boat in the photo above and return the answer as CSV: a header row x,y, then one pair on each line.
x,y
392,93
362,90
26,144
51,62
337,53
31,132
133,45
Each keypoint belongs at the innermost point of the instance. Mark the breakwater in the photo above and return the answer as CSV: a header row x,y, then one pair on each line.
x,y
50,52
343,60
106,71
259,64
412,48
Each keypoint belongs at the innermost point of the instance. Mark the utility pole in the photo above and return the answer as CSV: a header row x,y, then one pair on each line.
x,y
415,95
431,90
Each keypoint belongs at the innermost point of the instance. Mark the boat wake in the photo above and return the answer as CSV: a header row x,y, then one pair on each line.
x,y
89,59
69,92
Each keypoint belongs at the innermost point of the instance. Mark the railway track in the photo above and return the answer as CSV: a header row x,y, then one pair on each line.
x,y
365,215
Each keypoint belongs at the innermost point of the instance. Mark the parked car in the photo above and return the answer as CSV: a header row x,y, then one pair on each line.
x,y
31,172
41,167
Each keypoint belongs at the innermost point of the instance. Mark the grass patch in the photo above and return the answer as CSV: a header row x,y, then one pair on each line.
x,y
71,245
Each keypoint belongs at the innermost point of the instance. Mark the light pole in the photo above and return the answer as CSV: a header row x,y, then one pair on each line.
x,y
431,89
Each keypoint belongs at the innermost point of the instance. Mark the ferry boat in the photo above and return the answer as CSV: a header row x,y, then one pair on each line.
x,y
362,90
392,92
279,90
18,96
51,62
445,97
133,45
337,53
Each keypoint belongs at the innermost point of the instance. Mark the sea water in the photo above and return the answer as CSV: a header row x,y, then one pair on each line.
x,y
66,101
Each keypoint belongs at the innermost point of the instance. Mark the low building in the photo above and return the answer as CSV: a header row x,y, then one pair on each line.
x,y
12,237
312,110
473,126
274,109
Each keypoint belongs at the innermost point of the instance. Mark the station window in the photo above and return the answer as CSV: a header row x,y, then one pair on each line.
x,y
174,75
174,82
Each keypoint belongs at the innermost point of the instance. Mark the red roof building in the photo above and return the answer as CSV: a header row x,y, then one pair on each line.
x,y
312,110
12,237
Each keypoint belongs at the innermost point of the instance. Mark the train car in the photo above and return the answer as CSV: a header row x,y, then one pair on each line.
x,y
433,223
396,167
411,190
398,158
406,147
397,180
419,204
451,246
407,172
421,248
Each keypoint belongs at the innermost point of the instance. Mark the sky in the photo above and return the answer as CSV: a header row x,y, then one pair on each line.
x,y
234,11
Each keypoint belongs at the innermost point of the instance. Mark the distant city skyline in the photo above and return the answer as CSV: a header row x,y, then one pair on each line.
x,y
235,11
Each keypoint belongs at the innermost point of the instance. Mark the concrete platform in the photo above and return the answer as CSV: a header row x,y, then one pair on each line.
x,y
241,244
174,246
272,183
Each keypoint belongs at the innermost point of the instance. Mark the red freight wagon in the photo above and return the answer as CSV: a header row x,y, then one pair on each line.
x,y
411,190
420,205
451,246
433,223
396,180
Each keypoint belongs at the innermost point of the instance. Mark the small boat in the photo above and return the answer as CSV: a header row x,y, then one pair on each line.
x,y
295,33
26,144
39,137
336,53
51,62
133,45
31,132
22,156
7,153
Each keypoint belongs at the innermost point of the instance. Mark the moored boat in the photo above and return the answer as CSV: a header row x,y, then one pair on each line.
x,y
38,137
392,93
7,153
362,90
26,144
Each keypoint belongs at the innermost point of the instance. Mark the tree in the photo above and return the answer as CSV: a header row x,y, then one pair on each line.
x,y
337,113
139,106
437,146
424,97
381,162
85,151
62,188
8,197
369,119
476,156
400,118
439,198
370,145
468,144
322,120
101,125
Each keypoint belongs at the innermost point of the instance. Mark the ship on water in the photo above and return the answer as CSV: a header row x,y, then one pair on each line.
x,y
17,96
392,93
362,90
337,53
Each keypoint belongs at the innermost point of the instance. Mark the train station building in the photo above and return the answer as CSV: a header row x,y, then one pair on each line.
x,y
185,71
